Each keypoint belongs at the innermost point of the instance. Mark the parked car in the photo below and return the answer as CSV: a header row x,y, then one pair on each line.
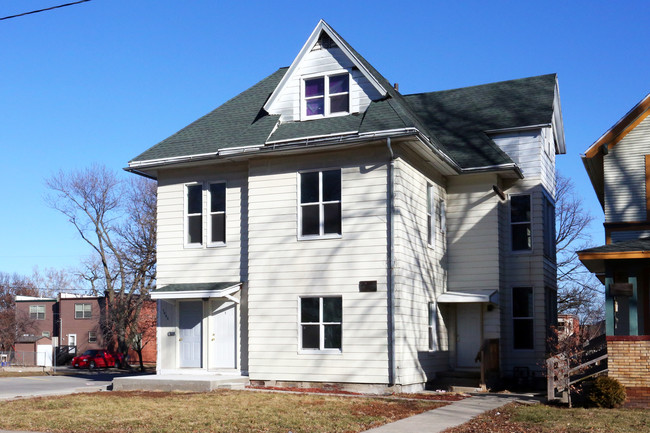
x,y
98,358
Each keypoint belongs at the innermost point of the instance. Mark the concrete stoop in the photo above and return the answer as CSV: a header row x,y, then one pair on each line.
x,y
181,382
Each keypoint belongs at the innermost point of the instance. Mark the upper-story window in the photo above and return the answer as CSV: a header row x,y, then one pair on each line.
x,y
37,312
194,214
320,203
82,311
217,221
549,228
215,194
520,222
436,218
326,95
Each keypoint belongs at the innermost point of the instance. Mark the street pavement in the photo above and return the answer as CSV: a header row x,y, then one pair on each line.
x,y
75,381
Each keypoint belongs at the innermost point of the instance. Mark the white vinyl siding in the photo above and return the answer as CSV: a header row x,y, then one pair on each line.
x,y
420,271
288,104
625,194
178,264
282,269
472,238
529,150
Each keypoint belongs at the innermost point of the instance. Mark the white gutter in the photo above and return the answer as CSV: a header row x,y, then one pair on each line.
x,y
518,128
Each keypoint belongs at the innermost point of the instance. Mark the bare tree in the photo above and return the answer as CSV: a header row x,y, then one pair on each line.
x,y
579,292
11,325
117,218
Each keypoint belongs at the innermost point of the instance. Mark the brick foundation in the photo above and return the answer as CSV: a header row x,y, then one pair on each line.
x,y
629,363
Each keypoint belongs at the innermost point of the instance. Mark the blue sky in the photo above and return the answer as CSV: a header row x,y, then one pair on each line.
x,y
102,81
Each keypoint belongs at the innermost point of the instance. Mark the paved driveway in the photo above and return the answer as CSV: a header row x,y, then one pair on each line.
x,y
33,386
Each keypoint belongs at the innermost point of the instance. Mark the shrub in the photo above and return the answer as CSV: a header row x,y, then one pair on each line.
x,y
607,392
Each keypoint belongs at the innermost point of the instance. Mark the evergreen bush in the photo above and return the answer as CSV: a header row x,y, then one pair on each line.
x,y
607,392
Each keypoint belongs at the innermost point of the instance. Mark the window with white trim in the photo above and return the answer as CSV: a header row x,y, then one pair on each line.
x,y
326,95
442,221
321,321
217,210
520,222
431,211
522,318
320,203
194,214
433,326
92,337
37,312
82,311
549,228
46,334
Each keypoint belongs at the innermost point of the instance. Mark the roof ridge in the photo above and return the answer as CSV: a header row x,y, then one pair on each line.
x,y
481,85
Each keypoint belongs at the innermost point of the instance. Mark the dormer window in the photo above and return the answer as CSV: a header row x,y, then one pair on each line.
x,y
326,95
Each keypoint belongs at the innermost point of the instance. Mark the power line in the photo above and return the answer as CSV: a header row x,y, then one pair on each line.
x,y
43,10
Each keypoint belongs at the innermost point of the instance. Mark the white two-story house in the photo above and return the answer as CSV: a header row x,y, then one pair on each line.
x,y
321,227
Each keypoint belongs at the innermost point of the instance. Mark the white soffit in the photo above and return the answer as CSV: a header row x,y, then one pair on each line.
x,y
468,296
196,294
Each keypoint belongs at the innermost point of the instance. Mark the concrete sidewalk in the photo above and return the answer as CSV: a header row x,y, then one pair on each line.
x,y
454,414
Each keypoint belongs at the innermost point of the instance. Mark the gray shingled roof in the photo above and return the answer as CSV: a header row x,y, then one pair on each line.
x,y
239,122
642,244
453,120
459,117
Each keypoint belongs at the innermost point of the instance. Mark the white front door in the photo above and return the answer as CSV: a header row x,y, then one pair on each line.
x,y
223,337
469,334
190,318
72,341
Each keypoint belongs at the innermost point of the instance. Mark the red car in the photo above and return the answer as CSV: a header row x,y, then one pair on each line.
x,y
98,358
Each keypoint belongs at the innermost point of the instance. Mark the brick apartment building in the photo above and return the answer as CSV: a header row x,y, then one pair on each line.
x,y
71,323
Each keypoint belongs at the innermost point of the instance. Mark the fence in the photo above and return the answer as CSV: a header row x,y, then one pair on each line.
x,y
41,358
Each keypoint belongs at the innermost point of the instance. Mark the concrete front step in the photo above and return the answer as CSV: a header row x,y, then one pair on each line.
x,y
180,382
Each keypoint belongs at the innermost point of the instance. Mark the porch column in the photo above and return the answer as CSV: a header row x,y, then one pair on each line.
x,y
609,302
634,321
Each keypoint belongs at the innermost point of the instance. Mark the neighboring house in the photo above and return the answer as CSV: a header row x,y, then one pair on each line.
x,y
618,164
567,325
72,323
322,227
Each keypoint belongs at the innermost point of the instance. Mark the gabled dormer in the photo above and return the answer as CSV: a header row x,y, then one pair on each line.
x,y
327,79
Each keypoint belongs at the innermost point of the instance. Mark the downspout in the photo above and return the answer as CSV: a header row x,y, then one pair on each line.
x,y
392,363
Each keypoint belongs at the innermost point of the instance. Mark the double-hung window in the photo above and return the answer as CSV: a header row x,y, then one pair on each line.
x,y
549,228
321,323
431,211
326,95
194,214
217,210
37,312
520,222
205,201
82,311
522,318
320,203
92,337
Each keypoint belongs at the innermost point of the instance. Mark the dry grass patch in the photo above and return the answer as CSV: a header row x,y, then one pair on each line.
x,y
220,411
21,373
516,418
